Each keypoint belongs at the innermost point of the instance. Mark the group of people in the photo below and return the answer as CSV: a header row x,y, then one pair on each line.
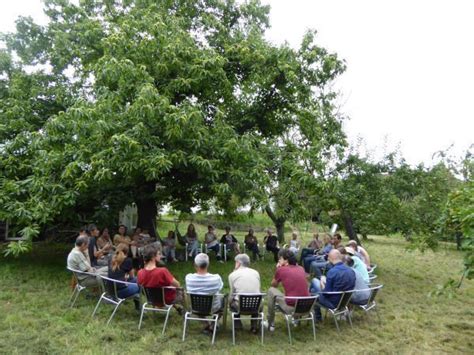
x,y
345,267
228,240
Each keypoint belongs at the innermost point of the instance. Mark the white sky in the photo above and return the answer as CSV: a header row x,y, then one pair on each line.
x,y
410,76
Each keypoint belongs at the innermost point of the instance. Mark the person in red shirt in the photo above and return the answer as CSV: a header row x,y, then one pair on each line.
x,y
153,276
293,278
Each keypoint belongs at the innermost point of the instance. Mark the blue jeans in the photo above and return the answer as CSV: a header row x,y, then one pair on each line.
x,y
193,246
317,267
314,289
130,290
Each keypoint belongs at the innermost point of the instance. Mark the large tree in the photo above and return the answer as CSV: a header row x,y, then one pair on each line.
x,y
156,102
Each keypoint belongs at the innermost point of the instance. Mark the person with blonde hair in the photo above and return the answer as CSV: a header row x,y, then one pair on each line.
x,y
121,269
295,243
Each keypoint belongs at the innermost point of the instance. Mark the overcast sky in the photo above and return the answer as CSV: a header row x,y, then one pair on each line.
x,y
410,65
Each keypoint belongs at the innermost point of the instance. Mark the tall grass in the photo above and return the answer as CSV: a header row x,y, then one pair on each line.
x,y
35,317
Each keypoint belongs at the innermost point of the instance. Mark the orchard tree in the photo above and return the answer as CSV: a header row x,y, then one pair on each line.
x,y
154,102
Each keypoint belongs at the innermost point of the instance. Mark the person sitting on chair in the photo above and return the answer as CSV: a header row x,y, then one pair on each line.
x,y
313,247
251,243
243,280
360,252
339,278
295,244
205,283
212,243
78,260
230,241
315,264
153,276
121,237
336,240
191,238
96,254
293,278
121,269
169,247
362,294
104,242
271,244
357,264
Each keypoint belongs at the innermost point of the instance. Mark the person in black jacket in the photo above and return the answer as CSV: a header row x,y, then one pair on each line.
x,y
271,243
230,241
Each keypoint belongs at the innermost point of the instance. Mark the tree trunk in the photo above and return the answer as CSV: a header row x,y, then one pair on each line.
x,y
279,223
349,226
146,208
364,237
458,240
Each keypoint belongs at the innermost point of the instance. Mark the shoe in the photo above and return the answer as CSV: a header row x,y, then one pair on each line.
x,y
270,327
254,330
221,261
295,322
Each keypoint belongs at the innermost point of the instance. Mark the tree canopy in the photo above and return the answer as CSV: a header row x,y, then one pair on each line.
x,y
178,102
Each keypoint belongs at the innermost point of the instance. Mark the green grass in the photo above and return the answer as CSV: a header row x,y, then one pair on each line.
x,y
35,318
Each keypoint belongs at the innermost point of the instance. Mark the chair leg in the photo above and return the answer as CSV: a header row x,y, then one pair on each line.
x,y
289,328
261,325
314,326
113,313
141,316
215,329
97,306
233,329
166,321
74,296
337,325
184,327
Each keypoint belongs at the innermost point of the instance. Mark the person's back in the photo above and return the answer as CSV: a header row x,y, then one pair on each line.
x,y
361,268
293,279
203,282
157,277
339,278
244,280
360,297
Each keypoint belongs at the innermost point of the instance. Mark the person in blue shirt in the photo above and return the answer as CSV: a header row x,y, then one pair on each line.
x,y
339,278
320,257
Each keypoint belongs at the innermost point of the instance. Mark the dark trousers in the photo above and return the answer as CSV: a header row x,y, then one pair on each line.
x,y
275,251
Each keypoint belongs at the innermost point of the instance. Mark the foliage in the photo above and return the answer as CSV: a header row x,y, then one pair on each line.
x,y
460,214
174,102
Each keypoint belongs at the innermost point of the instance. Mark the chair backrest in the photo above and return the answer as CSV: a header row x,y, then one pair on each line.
x,y
249,303
344,301
201,304
110,287
373,292
155,295
303,305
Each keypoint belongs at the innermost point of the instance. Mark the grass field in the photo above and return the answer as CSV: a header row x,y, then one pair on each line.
x,y
35,317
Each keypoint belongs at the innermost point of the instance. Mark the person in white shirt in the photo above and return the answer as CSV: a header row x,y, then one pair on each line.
x,y
243,280
212,243
78,260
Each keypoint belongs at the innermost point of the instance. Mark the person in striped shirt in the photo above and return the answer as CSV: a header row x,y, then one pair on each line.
x,y
205,283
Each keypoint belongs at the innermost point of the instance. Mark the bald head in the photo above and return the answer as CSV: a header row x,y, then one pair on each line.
x,y
334,256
